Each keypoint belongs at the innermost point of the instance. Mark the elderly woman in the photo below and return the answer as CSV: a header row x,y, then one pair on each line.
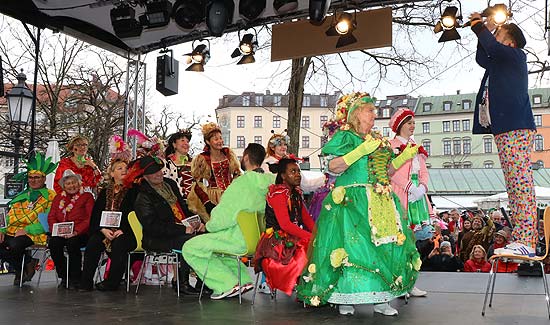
x,y
80,163
178,161
73,204
213,169
363,251
478,261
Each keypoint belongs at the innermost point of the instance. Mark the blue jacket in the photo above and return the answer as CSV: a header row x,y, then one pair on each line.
x,y
506,68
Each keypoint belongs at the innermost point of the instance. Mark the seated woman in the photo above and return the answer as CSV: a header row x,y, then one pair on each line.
x,y
281,252
478,261
500,240
117,241
73,204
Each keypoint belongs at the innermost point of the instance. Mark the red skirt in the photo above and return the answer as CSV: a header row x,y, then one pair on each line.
x,y
282,258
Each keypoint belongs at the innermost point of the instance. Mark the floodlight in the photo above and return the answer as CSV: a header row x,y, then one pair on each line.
x,y
318,10
448,22
219,13
188,13
157,14
285,6
198,57
247,47
251,9
343,27
124,23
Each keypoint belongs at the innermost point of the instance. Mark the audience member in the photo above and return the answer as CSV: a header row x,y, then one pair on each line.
x,y
477,261
500,240
481,234
442,260
498,220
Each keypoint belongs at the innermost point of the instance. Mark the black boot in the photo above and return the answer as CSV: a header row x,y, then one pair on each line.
x,y
185,287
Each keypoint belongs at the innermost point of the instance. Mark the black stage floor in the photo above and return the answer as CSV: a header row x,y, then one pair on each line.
x,y
454,298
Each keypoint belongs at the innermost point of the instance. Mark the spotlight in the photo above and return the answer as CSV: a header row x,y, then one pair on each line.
x,y
318,10
188,13
247,48
449,21
284,6
198,57
499,13
251,9
157,14
343,27
219,13
124,22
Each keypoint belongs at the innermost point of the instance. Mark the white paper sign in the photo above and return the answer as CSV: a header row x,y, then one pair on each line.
x,y
192,221
110,219
62,228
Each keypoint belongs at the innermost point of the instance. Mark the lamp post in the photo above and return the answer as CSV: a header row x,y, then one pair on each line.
x,y
20,101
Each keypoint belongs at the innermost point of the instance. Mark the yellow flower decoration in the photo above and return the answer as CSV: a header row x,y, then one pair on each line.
x,y
311,268
398,280
401,238
417,263
337,257
338,194
315,301
269,231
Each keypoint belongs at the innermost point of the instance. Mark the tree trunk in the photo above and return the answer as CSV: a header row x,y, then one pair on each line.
x,y
295,96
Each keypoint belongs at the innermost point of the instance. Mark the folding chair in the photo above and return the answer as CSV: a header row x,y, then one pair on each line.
x,y
248,222
537,259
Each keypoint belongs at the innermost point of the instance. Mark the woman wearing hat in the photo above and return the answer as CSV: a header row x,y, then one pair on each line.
x,y
276,150
178,161
80,163
72,204
363,251
500,240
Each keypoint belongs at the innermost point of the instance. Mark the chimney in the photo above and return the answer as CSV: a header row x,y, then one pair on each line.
x,y
458,92
267,92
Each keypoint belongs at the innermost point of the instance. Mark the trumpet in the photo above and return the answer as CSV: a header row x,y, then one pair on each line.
x,y
499,13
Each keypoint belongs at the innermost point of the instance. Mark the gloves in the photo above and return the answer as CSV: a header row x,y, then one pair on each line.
x,y
365,148
408,153
416,192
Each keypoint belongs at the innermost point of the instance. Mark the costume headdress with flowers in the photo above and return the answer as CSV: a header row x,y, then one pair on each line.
x,y
344,108
119,150
36,165
207,130
278,138
147,146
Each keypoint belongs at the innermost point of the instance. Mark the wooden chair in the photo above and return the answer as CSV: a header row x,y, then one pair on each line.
x,y
537,259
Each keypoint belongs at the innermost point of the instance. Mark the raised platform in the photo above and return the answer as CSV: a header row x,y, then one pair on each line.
x,y
453,298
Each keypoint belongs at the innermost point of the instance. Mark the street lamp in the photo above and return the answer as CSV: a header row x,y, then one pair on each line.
x,y
19,106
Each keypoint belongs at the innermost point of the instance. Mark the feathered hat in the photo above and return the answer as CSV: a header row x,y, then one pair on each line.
x,y
37,164
147,146
119,150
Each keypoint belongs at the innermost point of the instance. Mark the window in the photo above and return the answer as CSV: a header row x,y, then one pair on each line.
x,y
447,165
428,146
487,145
225,138
467,164
305,122
259,100
538,120
257,121
258,139
323,120
537,99
425,127
277,100
306,101
246,100
386,112
240,141
488,164
240,121
456,126
377,103
305,141
457,165
388,102
323,101
447,106
446,126
466,104
405,101
539,142
467,146
446,147
427,107
386,131
457,146
276,121
465,125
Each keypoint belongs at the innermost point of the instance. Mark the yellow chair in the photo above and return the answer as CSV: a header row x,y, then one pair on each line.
x,y
248,223
538,259
138,233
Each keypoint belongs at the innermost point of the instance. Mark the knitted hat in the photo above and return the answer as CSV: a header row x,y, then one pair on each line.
x,y
502,233
445,243
397,118
68,173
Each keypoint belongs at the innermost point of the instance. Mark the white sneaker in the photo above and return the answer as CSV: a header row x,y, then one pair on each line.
x,y
346,309
264,288
231,293
385,309
516,249
415,292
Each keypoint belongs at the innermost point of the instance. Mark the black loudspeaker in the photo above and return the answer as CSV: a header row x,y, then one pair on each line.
x,y
167,75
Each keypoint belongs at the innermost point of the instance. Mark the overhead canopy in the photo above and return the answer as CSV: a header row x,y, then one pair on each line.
x,y
90,21
500,200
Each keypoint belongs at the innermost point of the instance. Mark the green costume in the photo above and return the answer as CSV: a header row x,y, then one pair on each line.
x,y
363,251
246,193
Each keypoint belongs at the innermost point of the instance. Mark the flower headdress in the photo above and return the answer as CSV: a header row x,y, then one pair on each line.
x,y
147,146
119,150
208,128
37,164
344,107
278,138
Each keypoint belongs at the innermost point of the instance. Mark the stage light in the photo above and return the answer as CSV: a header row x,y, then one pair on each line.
x,y
318,10
198,57
188,13
124,23
343,27
247,47
284,6
157,14
500,14
449,21
219,13
251,9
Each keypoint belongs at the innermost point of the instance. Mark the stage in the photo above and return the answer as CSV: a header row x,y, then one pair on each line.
x,y
453,298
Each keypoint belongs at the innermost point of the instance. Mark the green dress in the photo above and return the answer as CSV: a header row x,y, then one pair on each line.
x,y
362,251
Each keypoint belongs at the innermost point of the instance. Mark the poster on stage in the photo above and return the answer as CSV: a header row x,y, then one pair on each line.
x,y
3,218
110,219
63,228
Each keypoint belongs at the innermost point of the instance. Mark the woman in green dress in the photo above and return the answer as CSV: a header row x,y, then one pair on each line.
x,y
362,251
